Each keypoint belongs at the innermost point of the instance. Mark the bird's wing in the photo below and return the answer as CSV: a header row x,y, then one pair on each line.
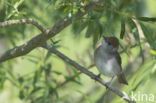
x,y
118,58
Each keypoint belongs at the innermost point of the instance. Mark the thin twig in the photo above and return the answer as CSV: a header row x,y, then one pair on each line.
x,y
90,74
23,21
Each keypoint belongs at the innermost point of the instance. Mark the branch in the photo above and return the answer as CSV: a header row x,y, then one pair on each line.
x,y
43,37
27,21
85,71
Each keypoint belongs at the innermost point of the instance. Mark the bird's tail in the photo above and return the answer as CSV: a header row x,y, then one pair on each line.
x,y
122,78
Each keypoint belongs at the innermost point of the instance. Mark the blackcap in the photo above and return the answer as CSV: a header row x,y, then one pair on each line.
x,y
108,60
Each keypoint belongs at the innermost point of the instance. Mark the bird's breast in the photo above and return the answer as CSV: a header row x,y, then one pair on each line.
x,y
106,64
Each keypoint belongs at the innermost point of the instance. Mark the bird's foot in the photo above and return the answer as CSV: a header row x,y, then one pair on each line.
x,y
98,76
108,83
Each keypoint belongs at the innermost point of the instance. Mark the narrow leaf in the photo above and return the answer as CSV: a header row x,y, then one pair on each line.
x,y
116,2
81,28
136,36
153,19
148,36
122,28
153,52
89,30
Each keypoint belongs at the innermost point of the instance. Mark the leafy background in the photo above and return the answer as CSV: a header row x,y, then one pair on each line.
x,y
41,77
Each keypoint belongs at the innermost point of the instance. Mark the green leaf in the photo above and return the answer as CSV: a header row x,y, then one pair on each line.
x,y
21,80
35,90
2,77
72,80
136,35
90,29
52,2
81,28
38,74
153,52
21,94
33,61
18,3
148,35
135,31
56,93
47,56
100,28
56,72
77,82
122,28
116,2
153,19
45,93
85,96
75,8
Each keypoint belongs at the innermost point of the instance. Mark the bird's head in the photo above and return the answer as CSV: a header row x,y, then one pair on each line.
x,y
110,43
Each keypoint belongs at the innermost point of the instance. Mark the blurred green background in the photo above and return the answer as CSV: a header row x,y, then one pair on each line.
x,y
39,76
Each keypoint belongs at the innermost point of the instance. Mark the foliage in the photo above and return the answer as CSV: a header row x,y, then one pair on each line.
x,y
41,77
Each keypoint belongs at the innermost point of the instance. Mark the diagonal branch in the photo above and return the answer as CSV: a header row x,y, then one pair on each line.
x,y
43,37
85,71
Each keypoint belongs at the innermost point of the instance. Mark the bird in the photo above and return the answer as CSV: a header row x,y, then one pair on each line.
x,y
108,60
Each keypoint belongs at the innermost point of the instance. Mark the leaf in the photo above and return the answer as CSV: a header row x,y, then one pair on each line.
x,y
122,28
90,29
148,35
33,61
77,82
45,93
100,28
85,96
135,31
153,52
116,2
153,19
21,94
47,56
56,93
52,1
18,3
142,74
136,35
35,79
56,72
72,80
21,80
37,74
81,28
55,42
85,2
75,9
35,90
2,77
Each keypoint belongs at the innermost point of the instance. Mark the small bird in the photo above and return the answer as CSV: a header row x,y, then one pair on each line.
x,y
108,60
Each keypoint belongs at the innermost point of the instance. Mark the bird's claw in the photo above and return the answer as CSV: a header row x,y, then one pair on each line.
x,y
98,76
108,84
